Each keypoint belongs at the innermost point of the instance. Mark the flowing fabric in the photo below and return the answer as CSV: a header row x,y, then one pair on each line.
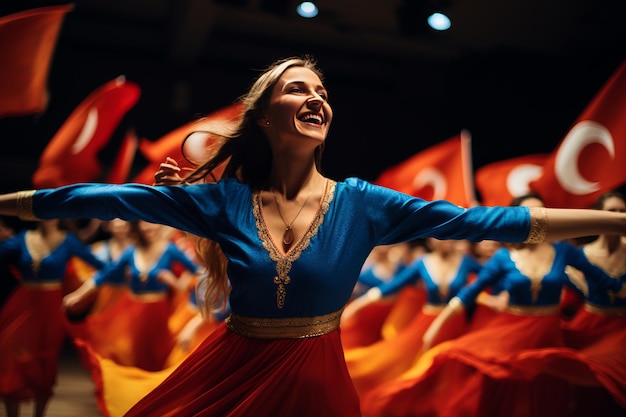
x,y
476,375
234,376
30,342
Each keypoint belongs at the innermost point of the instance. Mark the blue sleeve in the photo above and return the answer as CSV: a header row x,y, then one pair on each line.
x,y
83,252
113,272
399,217
192,208
490,275
182,258
576,258
11,247
368,278
408,276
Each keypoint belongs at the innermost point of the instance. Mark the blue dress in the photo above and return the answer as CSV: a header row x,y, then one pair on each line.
x,y
235,375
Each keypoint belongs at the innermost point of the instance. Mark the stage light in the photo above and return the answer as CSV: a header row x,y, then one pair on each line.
x,y
307,9
439,21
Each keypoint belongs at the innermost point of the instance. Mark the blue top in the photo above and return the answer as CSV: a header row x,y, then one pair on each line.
x,y
125,271
320,271
598,294
51,267
434,292
501,270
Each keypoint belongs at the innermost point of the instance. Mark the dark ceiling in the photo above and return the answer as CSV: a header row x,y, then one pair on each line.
x,y
516,73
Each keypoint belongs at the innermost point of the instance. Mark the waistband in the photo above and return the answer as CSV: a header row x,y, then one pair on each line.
x,y
605,311
533,310
283,328
42,285
149,296
431,309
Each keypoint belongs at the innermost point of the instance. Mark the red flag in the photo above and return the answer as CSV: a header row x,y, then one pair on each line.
x,y
590,160
124,159
71,155
442,172
27,42
197,148
500,182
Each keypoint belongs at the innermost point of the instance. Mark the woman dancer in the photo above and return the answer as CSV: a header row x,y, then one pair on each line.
x,y
295,242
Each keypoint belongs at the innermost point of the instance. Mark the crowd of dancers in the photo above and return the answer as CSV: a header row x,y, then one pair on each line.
x,y
438,326
434,328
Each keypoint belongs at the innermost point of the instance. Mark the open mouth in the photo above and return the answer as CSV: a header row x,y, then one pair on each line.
x,y
313,118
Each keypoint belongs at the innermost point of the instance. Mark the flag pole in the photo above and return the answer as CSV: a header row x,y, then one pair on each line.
x,y
468,169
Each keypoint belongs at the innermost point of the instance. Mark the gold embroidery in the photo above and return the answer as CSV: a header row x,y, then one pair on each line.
x,y
284,262
538,225
533,266
284,328
533,310
605,311
24,203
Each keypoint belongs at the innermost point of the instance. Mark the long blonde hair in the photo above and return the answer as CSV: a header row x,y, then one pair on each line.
x,y
248,157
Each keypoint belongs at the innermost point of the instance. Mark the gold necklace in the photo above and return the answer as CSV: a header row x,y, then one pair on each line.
x,y
288,237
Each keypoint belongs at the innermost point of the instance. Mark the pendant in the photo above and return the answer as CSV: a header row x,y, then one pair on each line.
x,y
288,236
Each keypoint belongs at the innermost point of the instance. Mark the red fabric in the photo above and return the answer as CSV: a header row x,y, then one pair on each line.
x,y
31,338
71,155
171,144
590,159
500,182
482,373
442,171
131,332
233,376
380,362
120,168
27,42
364,328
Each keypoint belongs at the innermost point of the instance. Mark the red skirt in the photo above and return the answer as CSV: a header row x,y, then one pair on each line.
x,y
481,373
132,332
31,338
230,375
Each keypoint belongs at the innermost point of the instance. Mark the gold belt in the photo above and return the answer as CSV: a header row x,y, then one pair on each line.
x,y
42,285
533,310
283,328
431,309
149,296
605,311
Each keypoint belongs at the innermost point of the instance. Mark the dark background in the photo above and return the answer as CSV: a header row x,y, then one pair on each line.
x,y
515,73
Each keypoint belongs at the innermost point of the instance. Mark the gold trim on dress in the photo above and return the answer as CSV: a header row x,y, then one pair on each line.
x,y
538,225
546,310
42,285
149,297
283,328
605,311
283,262
24,205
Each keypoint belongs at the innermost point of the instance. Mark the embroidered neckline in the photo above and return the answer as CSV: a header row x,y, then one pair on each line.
x,y
284,261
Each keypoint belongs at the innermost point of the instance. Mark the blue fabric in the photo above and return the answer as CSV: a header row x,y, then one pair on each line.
x,y
125,271
419,270
52,267
500,270
360,216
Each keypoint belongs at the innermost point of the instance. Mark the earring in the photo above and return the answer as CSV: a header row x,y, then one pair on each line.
x,y
267,122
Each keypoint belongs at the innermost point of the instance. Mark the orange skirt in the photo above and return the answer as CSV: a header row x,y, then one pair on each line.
x,y
31,339
230,375
482,373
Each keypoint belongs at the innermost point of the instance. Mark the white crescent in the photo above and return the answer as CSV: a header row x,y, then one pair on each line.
x,y
566,163
87,132
519,177
434,178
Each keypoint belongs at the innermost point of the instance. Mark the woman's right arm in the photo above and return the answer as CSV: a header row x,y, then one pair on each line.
x,y
182,207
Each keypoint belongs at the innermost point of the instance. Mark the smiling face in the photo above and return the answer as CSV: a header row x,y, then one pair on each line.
x,y
298,108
